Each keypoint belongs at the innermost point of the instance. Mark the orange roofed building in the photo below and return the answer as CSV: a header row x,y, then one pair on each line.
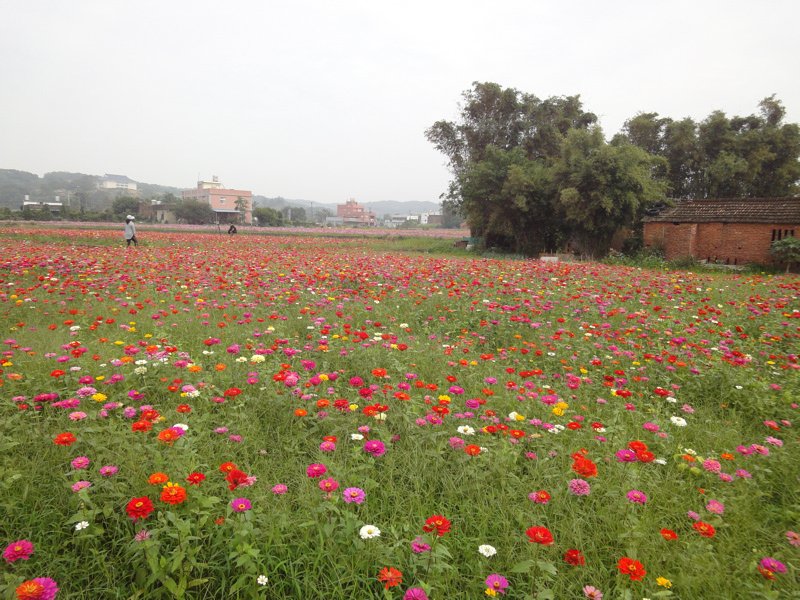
x,y
229,205
352,213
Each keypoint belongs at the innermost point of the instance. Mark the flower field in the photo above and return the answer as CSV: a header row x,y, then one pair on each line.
x,y
318,418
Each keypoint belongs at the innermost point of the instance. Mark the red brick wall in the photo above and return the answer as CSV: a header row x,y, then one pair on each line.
x,y
729,243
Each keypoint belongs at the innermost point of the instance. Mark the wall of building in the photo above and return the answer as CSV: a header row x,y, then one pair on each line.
x,y
728,243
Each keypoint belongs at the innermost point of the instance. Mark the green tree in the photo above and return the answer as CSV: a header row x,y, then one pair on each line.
x,y
241,204
499,153
603,188
268,217
125,205
194,212
786,251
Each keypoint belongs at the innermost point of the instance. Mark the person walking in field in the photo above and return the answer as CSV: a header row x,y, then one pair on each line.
x,y
130,231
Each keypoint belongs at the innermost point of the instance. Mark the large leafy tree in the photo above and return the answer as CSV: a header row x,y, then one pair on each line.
x,y
721,156
603,187
500,153
531,174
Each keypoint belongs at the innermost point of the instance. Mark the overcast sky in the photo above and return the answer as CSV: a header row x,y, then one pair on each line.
x,y
325,100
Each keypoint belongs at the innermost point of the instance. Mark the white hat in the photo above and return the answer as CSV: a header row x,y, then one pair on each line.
x,y
131,217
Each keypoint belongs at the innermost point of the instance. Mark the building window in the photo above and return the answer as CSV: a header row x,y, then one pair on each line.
x,y
776,235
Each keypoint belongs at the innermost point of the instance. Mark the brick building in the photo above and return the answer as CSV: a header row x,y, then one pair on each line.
x,y
732,231
229,205
352,213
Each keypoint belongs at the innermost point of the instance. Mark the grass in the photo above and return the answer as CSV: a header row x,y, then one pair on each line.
x,y
313,331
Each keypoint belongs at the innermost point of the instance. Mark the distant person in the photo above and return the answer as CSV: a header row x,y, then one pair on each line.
x,y
130,231
232,229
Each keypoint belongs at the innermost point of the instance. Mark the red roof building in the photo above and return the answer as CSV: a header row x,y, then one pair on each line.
x,y
732,231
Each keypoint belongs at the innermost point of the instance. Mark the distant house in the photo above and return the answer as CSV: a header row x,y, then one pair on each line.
x,y
54,208
731,231
117,182
352,213
229,205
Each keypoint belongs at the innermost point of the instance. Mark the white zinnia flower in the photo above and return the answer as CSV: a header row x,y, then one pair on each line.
x,y
367,532
466,430
679,421
487,550
356,437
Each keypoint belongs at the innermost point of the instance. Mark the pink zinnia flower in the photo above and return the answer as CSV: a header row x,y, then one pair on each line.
x,y
354,495
79,485
592,593
19,550
80,462
794,538
279,489
579,487
415,594
108,470
328,485
715,506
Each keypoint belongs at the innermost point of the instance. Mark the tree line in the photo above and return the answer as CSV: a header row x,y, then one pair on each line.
x,y
531,175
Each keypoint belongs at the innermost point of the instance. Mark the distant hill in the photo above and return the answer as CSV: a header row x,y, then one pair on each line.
x,y
15,185
383,207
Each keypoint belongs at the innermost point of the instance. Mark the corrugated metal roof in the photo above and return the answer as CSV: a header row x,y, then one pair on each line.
x,y
732,210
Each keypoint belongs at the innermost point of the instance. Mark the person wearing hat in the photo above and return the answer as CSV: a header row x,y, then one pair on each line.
x,y
130,231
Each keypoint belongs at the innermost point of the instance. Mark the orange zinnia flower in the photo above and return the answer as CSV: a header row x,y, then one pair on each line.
x,y
390,576
172,493
65,439
158,478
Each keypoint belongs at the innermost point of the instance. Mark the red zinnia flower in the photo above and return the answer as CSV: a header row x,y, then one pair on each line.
x,y
390,576
472,449
633,568
540,535
436,523
235,478
65,439
704,529
232,392
583,466
195,478
668,534
226,467
574,557
139,508
141,425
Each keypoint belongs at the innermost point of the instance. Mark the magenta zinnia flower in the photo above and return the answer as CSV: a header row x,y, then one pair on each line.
x,y
773,565
375,447
637,497
316,470
497,583
415,594
40,588
418,545
241,505
19,550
